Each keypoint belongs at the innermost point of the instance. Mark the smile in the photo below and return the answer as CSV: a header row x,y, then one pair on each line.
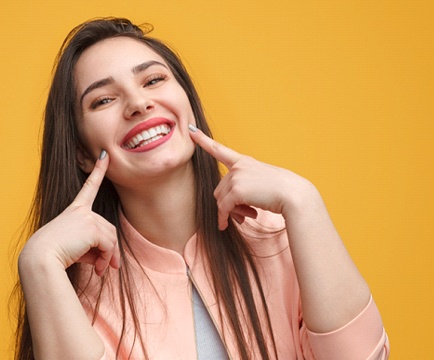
x,y
147,136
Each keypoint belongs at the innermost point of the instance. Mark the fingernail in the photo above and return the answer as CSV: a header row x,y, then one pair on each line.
x,y
192,127
102,155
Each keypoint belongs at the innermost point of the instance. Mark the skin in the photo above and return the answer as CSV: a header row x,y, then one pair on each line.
x,y
332,290
132,99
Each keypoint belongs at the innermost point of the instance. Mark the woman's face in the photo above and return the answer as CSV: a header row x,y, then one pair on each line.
x,y
130,104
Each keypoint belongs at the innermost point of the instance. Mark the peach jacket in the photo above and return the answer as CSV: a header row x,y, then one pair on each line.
x,y
164,297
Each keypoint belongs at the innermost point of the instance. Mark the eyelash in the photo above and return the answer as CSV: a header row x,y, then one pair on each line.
x,y
100,101
151,80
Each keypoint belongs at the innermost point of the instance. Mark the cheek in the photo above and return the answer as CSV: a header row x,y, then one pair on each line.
x,y
91,140
93,136
179,103
114,173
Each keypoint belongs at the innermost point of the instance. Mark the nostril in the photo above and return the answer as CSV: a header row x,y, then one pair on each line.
x,y
138,107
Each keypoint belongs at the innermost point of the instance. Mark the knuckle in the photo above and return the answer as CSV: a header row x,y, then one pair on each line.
x,y
114,240
215,146
90,182
93,228
237,189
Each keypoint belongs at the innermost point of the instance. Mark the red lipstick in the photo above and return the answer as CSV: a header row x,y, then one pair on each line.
x,y
148,135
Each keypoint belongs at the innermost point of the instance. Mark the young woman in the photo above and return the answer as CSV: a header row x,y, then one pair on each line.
x,y
155,255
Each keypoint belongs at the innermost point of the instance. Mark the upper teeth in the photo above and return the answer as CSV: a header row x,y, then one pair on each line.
x,y
147,136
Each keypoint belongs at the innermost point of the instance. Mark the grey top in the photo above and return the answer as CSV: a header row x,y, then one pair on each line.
x,y
208,341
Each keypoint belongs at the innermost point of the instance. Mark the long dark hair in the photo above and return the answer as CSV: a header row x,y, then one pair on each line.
x,y
60,179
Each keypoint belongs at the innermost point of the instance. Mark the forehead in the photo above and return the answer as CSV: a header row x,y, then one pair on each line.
x,y
111,58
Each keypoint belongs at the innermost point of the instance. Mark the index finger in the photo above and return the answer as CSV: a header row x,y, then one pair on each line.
x,y
87,194
222,153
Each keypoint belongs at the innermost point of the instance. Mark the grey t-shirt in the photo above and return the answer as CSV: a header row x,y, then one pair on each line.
x,y
208,341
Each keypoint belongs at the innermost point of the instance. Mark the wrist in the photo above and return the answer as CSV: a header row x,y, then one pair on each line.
x,y
34,261
302,198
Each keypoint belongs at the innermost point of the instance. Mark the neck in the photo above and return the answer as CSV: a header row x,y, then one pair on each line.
x,y
163,210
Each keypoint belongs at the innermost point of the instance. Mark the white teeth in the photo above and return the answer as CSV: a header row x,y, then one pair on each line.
x,y
152,132
147,136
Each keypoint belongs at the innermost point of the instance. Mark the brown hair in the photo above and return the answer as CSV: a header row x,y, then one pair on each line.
x,y
60,179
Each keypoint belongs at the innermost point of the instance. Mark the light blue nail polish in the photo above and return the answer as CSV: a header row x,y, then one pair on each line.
x,y
192,127
102,155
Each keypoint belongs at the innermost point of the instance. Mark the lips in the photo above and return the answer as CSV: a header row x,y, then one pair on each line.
x,y
148,134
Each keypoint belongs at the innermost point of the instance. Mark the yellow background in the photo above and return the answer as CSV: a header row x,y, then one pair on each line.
x,y
338,91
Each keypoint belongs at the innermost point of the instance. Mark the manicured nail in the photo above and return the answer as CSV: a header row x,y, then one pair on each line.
x,y
102,155
192,127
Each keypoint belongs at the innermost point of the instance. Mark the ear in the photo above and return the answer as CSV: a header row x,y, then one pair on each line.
x,y
84,160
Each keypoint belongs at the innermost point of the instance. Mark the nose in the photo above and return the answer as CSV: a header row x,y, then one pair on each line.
x,y
138,104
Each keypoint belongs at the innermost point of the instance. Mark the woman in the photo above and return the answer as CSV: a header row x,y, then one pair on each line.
x,y
188,265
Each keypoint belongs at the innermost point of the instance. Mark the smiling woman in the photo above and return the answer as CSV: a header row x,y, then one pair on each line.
x,y
188,264
130,89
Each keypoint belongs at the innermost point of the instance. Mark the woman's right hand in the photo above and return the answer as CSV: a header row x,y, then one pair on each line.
x,y
59,325
78,234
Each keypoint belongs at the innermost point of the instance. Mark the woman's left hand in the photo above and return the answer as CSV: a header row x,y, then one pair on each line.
x,y
332,290
249,183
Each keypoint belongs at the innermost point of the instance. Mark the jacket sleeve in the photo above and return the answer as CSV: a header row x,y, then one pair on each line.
x,y
363,338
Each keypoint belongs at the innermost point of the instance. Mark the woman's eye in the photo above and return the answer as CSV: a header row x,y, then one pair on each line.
x,y
155,79
101,101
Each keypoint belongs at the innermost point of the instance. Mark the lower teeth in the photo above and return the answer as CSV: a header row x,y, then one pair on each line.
x,y
146,142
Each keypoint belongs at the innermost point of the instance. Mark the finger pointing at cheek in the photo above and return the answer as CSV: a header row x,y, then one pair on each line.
x,y
226,156
88,193
230,202
103,243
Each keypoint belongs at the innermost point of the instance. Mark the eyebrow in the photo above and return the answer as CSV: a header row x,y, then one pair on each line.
x,y
142,67
96,85
110,80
